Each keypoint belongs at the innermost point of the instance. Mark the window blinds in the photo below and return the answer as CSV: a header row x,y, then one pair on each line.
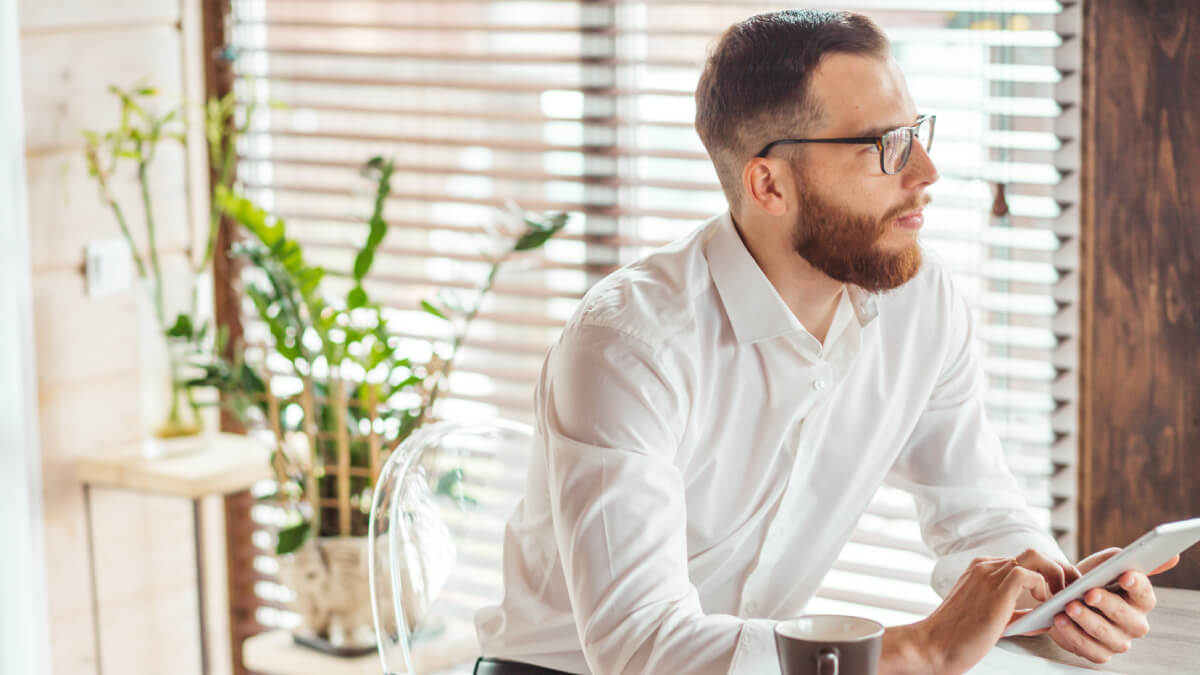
x,y
586,106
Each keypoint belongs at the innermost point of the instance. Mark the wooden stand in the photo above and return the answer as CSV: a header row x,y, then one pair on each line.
x,y
228,463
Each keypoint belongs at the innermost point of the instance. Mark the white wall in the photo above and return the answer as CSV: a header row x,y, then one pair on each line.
x,y
24,639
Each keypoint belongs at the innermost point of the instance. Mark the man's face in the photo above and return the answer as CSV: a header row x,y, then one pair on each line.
x,y
855,223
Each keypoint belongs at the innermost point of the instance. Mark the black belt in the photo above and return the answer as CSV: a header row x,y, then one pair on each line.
x,y
502,667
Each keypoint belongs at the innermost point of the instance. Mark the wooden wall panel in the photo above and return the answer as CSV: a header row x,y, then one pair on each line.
x,y
99,359
66,75
66,212
113,351
61,15
1140,254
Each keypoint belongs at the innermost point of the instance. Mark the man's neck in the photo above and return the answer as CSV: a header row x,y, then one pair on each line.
x,y
812,296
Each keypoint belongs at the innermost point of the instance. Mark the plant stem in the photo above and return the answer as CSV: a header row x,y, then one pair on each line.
x,y
443,374
116,209
151,236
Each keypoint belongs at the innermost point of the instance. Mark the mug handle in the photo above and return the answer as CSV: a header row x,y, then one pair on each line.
x,y
827,661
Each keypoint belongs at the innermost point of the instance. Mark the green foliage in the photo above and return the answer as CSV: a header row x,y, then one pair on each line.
x,y
539,232
351,342
428,307
132,146
292,537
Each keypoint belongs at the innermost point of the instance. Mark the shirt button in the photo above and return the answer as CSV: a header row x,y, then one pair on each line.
x,y
819,383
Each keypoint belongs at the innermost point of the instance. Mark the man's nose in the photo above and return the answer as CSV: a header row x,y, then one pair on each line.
x,y
920,170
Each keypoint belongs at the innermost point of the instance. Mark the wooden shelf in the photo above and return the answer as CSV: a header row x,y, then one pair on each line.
x,y
220,463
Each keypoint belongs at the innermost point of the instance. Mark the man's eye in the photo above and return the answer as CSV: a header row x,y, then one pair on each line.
x,y
873,149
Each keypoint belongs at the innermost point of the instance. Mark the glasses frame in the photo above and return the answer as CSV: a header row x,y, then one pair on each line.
x,y
877,141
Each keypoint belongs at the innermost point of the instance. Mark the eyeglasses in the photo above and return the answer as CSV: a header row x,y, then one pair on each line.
x,y
894,146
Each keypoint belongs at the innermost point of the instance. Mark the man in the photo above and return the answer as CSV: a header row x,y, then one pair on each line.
x,y
716,416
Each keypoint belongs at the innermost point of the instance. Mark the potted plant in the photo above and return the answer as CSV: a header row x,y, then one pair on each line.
x,y
341,395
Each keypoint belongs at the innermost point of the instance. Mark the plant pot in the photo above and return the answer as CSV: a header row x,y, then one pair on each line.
x,y
328,576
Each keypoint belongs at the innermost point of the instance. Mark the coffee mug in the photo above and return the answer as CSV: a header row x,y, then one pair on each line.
x,y
827,644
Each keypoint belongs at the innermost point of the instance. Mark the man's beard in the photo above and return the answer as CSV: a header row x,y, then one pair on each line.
x,y
846,245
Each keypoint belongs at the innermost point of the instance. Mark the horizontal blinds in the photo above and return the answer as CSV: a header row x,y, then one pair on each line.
x,y
586,106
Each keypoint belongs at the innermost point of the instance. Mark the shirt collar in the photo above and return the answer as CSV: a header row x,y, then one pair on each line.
x,y
754,307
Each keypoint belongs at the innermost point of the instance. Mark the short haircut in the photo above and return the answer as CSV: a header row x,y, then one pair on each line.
x,y
754,88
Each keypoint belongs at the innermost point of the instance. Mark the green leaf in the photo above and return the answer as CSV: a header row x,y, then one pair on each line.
x,y
291,538
356,298
433,310
182,328
532,239
539,233
407,382
362,263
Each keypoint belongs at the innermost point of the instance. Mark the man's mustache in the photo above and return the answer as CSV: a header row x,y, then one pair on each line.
x,y
918,202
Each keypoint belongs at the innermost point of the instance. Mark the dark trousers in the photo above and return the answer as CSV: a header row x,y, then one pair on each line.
x,y
502,667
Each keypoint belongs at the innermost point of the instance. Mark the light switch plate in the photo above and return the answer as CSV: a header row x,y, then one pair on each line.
x,y
108,267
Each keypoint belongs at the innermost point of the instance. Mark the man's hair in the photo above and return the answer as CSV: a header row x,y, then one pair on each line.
x,y
754,88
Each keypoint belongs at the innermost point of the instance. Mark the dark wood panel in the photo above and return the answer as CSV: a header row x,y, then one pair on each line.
x,y
1140,375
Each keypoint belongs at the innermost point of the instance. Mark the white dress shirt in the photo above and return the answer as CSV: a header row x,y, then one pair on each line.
x,y
700,459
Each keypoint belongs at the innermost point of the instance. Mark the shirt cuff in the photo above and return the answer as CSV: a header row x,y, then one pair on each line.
x,y
755,651
950,567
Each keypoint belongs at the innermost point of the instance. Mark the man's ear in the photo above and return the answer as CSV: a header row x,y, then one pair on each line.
x,y
764,185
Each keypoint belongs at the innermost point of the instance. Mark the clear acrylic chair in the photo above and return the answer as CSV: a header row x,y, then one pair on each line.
x,y
436,536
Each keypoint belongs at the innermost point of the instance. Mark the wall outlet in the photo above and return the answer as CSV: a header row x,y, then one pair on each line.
x,y
108,267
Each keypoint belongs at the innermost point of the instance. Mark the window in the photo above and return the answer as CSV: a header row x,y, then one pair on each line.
x,y
586,106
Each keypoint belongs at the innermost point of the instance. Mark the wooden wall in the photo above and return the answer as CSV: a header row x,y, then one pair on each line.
x,y
99,365
1140,291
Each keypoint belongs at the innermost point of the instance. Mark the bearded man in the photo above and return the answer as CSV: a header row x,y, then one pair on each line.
x,y
716,416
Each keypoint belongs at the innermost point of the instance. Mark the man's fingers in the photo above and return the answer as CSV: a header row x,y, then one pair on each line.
x,y
1071,637
1051,569
1072,573
1092,561
1119,611
1018,579
1139,590
1099,627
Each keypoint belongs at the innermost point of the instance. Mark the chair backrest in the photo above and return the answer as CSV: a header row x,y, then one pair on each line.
x,y
436,536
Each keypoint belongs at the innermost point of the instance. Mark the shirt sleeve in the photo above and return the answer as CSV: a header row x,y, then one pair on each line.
x,y
968,502
613,416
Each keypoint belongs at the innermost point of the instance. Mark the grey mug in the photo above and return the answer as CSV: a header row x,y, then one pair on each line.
x,y
828,644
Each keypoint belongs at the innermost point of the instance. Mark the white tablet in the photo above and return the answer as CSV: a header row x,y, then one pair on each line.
x,y
1150,550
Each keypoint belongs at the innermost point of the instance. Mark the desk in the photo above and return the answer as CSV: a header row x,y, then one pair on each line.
x,y
1171,648
220,464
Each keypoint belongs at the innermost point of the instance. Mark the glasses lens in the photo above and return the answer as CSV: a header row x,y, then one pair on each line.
x,y
896,146
925,132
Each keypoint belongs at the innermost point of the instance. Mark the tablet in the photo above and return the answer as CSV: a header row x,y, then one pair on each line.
x,y
1150,550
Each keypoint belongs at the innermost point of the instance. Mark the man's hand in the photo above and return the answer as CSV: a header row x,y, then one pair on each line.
x,y
1107,621
969,622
